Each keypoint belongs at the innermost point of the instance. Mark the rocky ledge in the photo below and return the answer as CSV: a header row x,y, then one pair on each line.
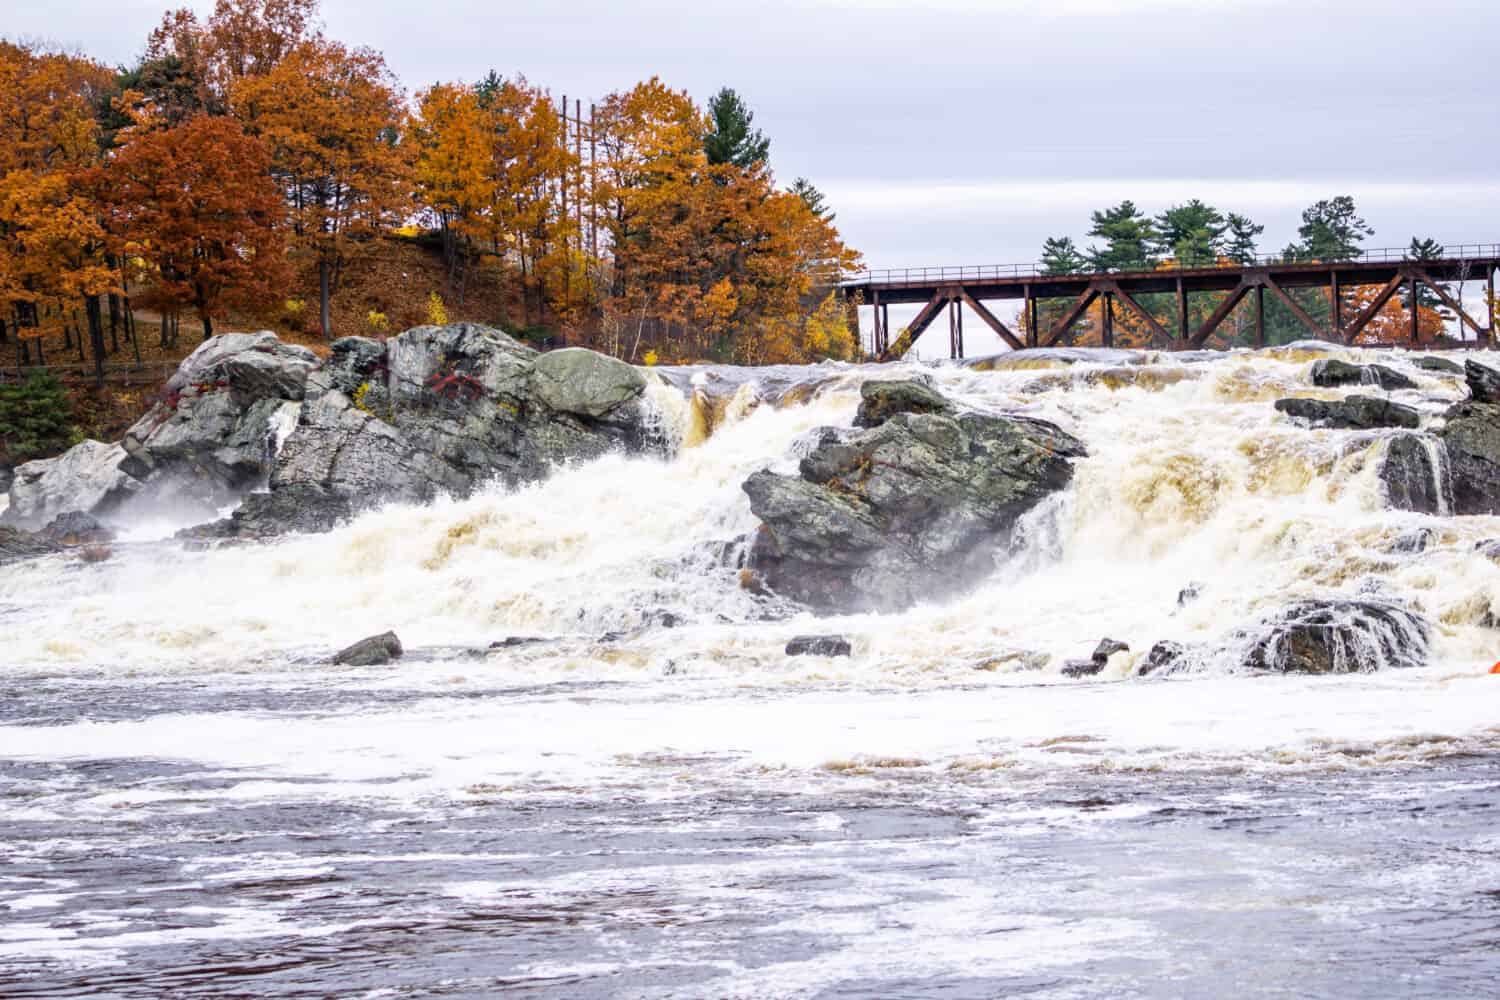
x,y
912,507
304,445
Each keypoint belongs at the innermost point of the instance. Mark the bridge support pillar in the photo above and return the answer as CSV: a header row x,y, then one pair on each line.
x,y
1335,306
1031,316
1260,315
1490,301
1107,321
1411,309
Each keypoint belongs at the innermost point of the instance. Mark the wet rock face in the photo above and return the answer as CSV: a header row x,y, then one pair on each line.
x,y
1483,382
211,438
1337,637
1164,657
1471,439
1354,412
911,509
16,545
294,510
819,645
1429,363
447,409
1333,372
1412,474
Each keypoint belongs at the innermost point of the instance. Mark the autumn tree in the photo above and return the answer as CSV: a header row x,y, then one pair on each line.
x,y
198,206
454,135
332,118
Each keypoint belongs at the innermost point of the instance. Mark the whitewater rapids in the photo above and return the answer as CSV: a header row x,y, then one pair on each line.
x,y
196,803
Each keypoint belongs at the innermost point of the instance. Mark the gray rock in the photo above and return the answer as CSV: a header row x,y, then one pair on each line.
x,y
372,651
1108,648
77,528
1358,412
819,645
211,439
1411,471
1333,372
1471,440
1188,594
585,383
7,476
1413,541
879,401
16,545
87,478
1081,668
913,509
1166,655
1483,381
1431,363
1337,637
294,510
445,410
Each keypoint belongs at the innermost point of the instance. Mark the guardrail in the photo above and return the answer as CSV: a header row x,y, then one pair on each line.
x,y
1457,252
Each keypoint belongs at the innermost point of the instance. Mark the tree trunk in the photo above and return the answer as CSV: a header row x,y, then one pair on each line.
x,y
164,331
323,318
208,327
114,322
96,338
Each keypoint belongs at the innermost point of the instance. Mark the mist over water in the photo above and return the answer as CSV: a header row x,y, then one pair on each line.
x,y
656,801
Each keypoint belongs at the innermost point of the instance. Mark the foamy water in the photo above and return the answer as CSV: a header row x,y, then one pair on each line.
x,y
943,813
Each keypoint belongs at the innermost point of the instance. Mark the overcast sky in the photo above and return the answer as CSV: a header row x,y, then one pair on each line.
x,y
967,131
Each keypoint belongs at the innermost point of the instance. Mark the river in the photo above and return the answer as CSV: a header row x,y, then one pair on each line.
x,y
655,801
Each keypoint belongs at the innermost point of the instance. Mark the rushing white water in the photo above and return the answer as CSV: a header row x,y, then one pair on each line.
x,y
1192,478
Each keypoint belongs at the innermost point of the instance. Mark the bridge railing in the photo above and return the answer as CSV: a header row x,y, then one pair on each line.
x,y
971,273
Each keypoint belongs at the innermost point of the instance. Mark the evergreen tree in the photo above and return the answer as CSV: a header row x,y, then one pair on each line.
x,y
812,198
35,417
1428,249
1128,235
1331,230
1060,256
1241,246
730,137
1192,234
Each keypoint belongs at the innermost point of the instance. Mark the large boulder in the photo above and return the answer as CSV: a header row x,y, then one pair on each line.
x,y
914,508
87,478
213,435
444,410
293,510
1471,438
881,400
1336,637
1483,382
1353,412
1412,474
1333,372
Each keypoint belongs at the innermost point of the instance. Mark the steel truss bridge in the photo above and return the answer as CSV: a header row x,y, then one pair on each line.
x,y
950,289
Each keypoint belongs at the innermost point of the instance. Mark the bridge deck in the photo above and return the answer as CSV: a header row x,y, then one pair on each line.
x,y
955,287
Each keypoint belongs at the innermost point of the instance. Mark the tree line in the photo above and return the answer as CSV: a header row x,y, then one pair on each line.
x,y
247,148
1195,234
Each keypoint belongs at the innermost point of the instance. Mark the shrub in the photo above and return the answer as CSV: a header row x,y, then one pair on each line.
x,y
35,417
437,313
377,321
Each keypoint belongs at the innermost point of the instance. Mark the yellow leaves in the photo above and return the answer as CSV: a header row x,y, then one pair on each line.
x,y
437,312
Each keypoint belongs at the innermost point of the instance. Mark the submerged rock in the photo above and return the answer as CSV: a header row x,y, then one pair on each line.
x,y
1431,363
1356,412
372,651
912,509
1413,541
293,510
16,545
1333,372
1337,637
1412,474
1097,662
1165,655
77,528
819,645
1189,594
881,400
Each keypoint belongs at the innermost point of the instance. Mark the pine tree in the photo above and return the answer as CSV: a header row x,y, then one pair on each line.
x,y
35,417
1128,235
1241,246
812,198
1060,256
1428,249
1331,230
730,137
1192,234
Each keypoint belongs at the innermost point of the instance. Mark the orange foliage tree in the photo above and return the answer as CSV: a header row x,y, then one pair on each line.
x,y
197,211
332,118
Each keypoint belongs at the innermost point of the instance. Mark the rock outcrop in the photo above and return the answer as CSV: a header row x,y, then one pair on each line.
x,y
1336,637
911,509
879,401
1352,412
1333,372
1471,438
447,409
